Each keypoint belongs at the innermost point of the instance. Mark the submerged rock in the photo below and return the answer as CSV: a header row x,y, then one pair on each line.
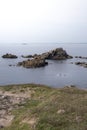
x,y
33,63
9,56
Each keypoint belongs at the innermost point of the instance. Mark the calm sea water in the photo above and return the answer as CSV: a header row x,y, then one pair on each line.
x,y
56,74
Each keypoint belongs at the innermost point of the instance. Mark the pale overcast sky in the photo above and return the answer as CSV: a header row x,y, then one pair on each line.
x,y
43,21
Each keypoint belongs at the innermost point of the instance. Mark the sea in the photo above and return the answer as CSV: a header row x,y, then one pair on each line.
x,y
56,74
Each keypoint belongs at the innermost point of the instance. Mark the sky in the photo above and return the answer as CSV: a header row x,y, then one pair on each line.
x,y
60,21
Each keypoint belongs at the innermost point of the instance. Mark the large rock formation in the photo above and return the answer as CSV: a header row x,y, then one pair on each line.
x,y
33,63
9,56
57,54
39,60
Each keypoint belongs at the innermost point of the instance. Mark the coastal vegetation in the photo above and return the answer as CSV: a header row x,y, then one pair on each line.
x,y
39,107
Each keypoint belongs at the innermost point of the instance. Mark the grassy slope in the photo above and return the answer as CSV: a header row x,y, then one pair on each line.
x,y
50,109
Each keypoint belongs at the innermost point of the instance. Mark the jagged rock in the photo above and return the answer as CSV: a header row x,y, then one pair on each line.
x,y
9,56
57,54
39,60
33,63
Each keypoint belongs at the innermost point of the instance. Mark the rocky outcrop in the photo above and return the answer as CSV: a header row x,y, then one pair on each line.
x,y
36,60
33,63
57,54
83,64
9,56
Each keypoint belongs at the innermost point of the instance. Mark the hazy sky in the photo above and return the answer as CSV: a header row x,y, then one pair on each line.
x,y
43,21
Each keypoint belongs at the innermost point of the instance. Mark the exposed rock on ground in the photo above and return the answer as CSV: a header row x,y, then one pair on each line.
x,y
9,56
38,107
8,102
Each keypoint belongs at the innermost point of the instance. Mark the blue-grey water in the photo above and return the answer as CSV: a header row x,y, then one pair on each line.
x,y
56,74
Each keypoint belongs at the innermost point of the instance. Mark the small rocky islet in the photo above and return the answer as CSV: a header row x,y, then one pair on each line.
x,y
40,60
33,63
9,56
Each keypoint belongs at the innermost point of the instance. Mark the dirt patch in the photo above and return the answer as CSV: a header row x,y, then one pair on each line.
x,y
6,120
8,102
31,121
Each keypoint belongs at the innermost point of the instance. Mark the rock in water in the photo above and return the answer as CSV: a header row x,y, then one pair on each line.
x,y
83,64
57,54
9,56
33,63
40,60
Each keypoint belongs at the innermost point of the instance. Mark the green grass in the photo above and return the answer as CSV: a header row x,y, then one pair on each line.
x,y
43,106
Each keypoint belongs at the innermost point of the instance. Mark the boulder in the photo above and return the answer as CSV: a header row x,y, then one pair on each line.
x,y
9,56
